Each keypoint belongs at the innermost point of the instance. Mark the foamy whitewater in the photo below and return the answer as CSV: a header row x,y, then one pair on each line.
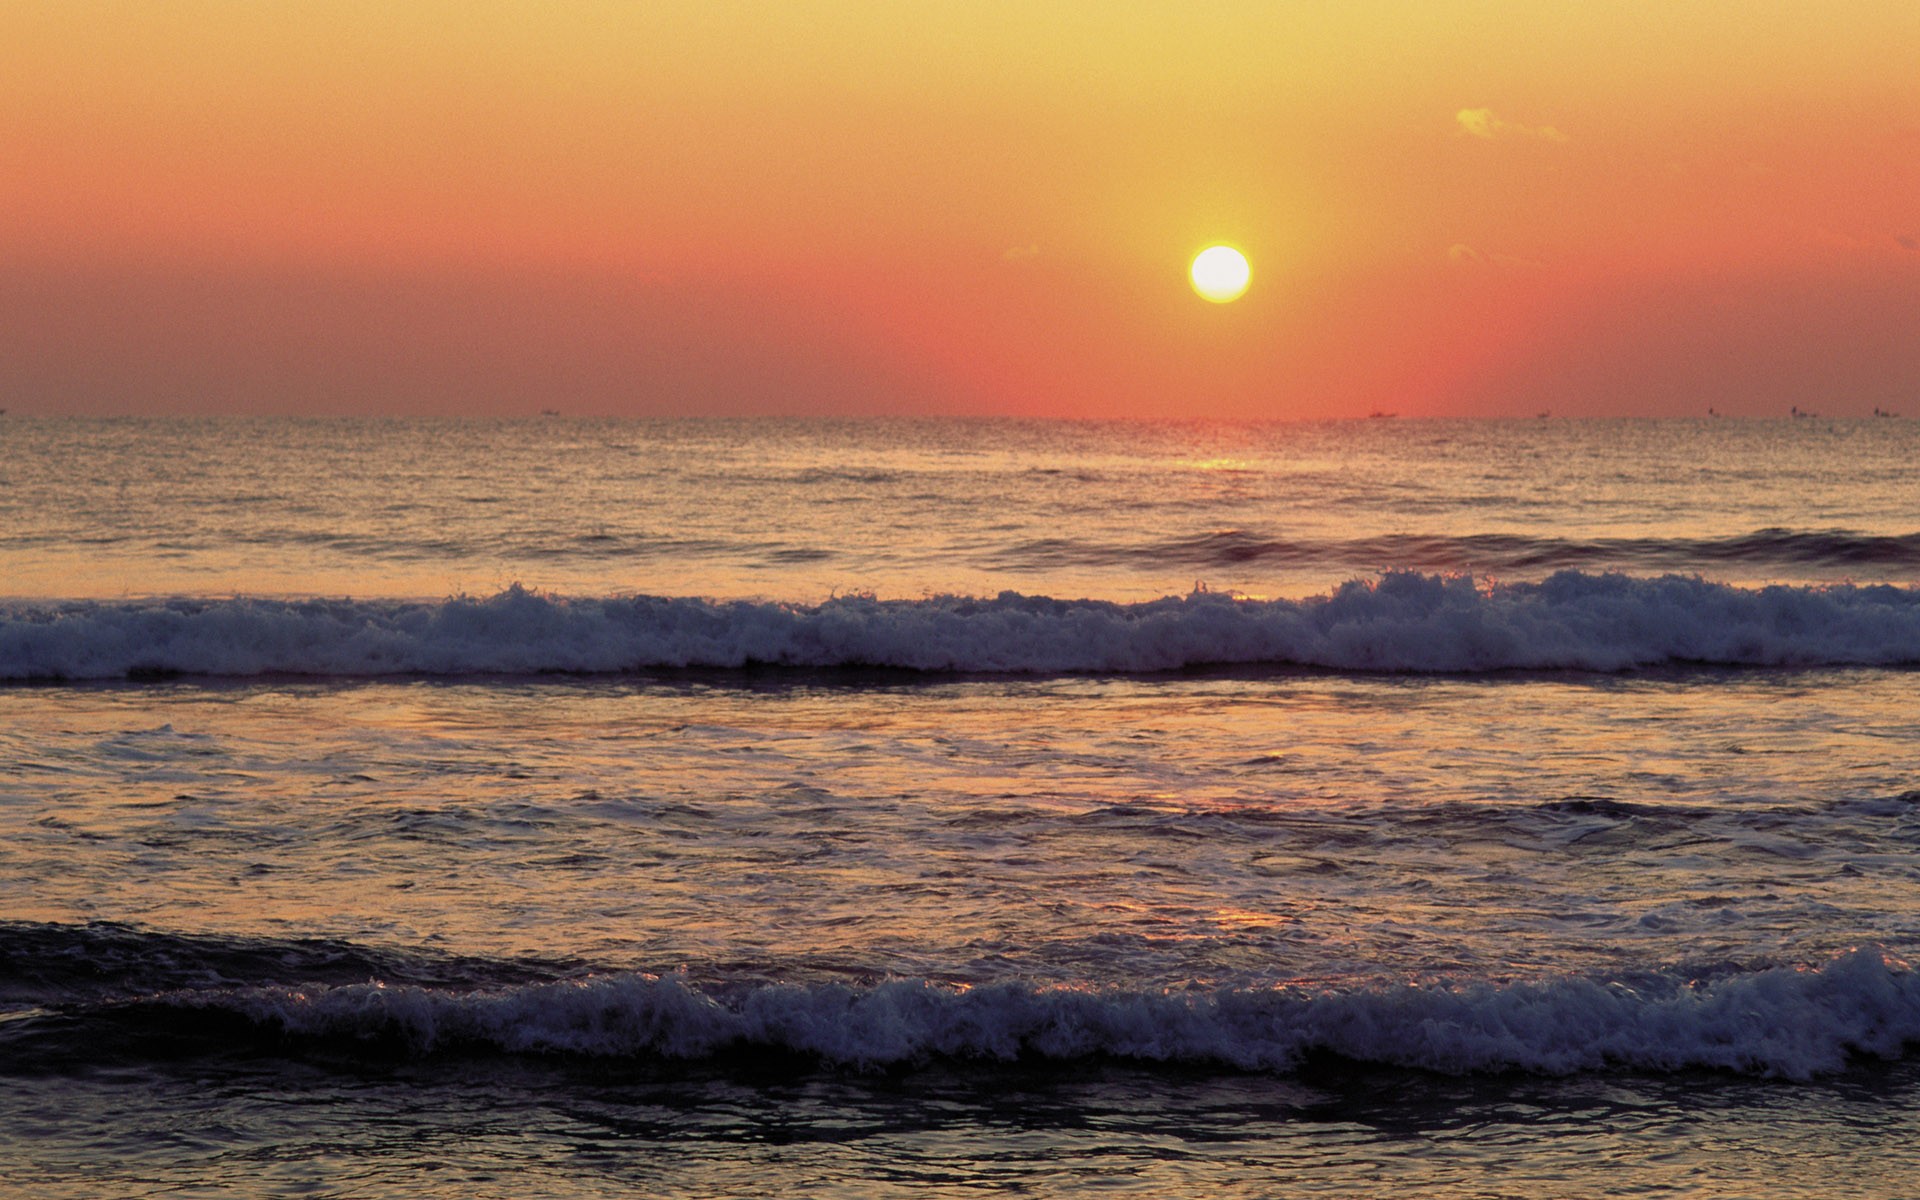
x,y
597,808
1400,622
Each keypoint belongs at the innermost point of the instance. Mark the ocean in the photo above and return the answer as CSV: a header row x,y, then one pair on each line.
x,y
575,808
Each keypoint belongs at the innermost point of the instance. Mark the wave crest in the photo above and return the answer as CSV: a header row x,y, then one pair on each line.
x,y
1786,1022
1402,621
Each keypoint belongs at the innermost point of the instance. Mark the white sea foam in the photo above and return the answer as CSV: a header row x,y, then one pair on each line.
x,y
1781,1022
1399,622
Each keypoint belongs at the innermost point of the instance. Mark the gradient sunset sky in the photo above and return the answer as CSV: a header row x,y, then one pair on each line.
x,y
430,206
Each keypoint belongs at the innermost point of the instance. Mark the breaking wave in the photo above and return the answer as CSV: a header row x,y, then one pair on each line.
x,y
110,993
1783,1022
1402,621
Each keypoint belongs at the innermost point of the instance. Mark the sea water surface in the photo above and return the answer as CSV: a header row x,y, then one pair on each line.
x,y
572,808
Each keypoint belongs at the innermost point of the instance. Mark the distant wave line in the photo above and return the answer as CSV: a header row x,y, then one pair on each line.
x,y
1762,550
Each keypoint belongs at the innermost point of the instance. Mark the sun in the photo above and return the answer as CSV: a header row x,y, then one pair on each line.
x,y
1220,274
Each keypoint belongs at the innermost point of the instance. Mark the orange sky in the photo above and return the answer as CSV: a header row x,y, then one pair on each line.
x,y
888,206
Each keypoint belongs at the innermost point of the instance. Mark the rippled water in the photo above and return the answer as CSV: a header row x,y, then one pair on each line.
x,y
926,896
800,510
1118,832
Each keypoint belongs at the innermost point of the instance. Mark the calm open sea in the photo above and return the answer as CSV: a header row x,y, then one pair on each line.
x,y
566,808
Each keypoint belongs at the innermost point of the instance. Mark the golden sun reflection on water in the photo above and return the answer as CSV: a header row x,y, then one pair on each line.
x,y
1215,464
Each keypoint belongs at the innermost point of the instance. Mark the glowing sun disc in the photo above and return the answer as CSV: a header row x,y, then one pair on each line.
x,y
1219,274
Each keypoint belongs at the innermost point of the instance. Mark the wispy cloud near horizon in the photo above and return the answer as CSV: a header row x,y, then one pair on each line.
x,y
1460,254
1485,124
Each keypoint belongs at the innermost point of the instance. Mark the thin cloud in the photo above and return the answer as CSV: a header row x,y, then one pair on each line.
x,y
1462,255
1483,123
